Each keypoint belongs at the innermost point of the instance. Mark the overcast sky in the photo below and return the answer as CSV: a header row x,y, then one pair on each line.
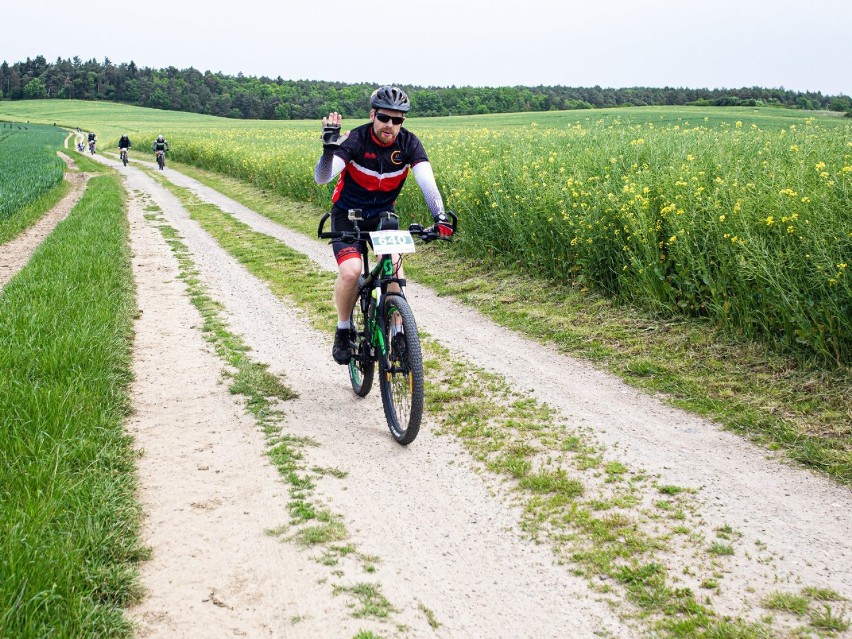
x,y
611,43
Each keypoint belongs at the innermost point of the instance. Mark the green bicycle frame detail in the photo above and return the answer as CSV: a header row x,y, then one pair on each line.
x,y
384,267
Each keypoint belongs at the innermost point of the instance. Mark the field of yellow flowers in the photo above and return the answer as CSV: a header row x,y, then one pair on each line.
x,y
746,223
743,216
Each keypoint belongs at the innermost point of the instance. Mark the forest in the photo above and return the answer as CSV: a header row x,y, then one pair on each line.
x,y
265,98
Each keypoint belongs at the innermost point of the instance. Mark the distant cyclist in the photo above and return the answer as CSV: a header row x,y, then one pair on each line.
x,y
159,147
92,141
124,146
372,162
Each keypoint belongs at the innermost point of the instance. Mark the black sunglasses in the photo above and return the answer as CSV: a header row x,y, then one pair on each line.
x,y
384,117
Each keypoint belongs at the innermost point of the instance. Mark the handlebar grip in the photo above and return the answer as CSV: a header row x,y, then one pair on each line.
x,y
454,218
321,224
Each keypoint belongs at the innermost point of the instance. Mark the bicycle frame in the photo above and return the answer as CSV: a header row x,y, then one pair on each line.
x,y
383,275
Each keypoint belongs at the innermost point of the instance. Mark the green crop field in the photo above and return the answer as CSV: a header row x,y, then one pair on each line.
x,y
29,166
740,215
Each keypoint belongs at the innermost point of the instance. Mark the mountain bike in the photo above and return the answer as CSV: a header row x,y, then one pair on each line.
x,y
382,323
92,147
161,159
123,155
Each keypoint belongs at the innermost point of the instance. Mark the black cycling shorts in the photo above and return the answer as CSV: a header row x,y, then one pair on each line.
x,y
340,222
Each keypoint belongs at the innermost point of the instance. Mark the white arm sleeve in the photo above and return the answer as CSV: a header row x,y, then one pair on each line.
x,y
426,181
328,167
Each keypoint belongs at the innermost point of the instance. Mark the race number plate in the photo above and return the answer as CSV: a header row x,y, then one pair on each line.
x,y
386,242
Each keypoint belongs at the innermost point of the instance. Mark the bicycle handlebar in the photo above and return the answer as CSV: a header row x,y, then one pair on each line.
x,y
428,234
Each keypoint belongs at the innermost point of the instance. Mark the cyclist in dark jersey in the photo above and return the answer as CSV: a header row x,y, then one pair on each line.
x,y
372,163
124,143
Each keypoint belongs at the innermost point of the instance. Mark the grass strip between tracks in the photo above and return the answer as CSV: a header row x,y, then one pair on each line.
x,y
69,522
612,524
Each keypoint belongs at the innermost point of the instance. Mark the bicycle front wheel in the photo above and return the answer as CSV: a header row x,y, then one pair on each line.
x,y
401,370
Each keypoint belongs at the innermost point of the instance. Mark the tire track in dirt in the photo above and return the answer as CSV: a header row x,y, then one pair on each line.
x,y
208,491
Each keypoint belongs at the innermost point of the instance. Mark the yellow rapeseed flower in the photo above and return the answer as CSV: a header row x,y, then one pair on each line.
x,y
770,220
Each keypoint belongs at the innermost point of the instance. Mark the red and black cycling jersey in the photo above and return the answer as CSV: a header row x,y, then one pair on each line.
x,y
374,173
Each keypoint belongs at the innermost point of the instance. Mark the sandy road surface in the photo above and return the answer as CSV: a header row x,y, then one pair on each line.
x,y
445,538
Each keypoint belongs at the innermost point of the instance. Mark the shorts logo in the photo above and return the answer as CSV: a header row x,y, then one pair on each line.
x,y
396,157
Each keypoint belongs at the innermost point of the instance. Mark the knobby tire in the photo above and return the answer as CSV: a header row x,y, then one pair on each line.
x,y
362,364
401,372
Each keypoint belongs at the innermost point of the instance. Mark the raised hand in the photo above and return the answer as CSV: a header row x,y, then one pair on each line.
x,y
331,137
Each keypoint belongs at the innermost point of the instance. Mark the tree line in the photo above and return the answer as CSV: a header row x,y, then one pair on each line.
x,y
278,99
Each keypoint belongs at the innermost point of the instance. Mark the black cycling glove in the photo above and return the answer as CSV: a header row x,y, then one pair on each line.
x,y
443,225
331,138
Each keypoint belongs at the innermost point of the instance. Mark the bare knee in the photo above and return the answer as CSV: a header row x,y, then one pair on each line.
x,y
348,273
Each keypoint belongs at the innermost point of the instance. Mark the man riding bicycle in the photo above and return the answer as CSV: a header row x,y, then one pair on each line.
x,y
124,144
372,162
92,141
160,146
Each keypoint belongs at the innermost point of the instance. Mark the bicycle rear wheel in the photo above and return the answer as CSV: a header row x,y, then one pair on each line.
x,y
401,370
362,363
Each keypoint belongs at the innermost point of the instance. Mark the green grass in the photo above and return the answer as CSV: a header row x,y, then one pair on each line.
x,y
26,216
373,602
29,166
69,522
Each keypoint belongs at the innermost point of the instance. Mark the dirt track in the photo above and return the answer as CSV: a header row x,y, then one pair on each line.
x,y
445,535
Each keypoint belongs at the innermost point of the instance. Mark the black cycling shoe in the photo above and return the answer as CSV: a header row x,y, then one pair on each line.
x,y
342,349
